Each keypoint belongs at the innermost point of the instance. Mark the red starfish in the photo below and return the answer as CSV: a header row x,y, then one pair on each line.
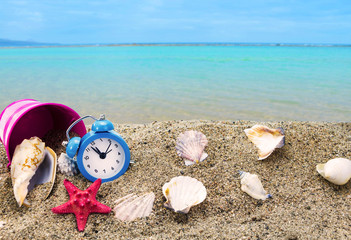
x,y
81,203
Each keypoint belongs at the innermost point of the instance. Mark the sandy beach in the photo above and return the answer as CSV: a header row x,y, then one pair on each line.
x,y
304,205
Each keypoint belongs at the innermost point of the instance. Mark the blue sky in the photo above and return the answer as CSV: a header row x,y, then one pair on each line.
x,y
132,21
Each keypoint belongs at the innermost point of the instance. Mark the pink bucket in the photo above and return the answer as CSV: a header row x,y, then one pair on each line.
x,y
27,118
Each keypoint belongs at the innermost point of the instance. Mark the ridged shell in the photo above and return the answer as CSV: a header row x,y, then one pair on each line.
x,y
190,145
131,206
266,139
32,164
251,184
337,170
182,193
67,165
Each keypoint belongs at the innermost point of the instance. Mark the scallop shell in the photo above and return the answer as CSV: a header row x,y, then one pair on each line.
x,y
182,193
32,164
266,139
131,206
66,165
337,170
190,145
251,184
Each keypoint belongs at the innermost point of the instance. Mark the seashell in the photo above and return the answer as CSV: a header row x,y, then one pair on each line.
x,y
66,165
337,170
251,184
131,206
46,172
266,139
182,193
2,223
32,164
190,145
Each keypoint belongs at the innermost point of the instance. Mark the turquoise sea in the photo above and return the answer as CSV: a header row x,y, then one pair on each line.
x,y
140,84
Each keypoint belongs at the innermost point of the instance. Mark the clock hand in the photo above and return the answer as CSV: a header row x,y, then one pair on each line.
x,y
102,155
96,150
108,151
108,148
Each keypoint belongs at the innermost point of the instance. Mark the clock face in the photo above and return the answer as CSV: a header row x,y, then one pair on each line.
x,y
103,158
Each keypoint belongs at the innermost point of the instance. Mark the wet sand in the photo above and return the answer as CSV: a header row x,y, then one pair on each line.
x,y
304,205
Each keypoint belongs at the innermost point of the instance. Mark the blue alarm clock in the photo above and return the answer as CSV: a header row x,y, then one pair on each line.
x,y
101,153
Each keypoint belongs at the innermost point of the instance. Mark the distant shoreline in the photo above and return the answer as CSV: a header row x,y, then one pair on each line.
x,y
181,45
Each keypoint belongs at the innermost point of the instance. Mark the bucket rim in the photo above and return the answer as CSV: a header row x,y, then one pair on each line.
x,y
38,104
13,103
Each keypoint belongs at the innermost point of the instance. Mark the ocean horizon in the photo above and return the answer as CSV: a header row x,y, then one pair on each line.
x,y
140,84
5,43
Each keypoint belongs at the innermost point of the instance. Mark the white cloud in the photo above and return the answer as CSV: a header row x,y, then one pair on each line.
x,y
151,5
27,15
19,2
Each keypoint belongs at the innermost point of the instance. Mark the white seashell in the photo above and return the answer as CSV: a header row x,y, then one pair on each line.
x,y
190,145
337,170
131,206
266,139
67,165
182,193
26,162
46,171
2,223
251,184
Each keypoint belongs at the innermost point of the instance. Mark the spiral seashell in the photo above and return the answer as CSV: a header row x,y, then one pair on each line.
x,y
190,145
131,206
32,164
182,193
266,139
251,184
66,165
337,170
